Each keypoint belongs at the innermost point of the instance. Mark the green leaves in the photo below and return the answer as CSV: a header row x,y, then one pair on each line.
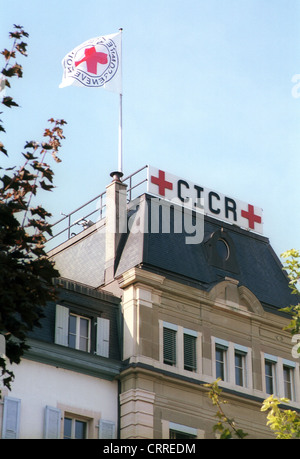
x,y
292,268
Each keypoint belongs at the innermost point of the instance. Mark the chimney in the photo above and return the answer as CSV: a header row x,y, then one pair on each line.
x,y
116,221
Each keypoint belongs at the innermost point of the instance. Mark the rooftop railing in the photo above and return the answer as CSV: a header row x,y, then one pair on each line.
x,y
92,211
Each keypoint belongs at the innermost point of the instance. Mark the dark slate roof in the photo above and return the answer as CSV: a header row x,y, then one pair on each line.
x,y
252,260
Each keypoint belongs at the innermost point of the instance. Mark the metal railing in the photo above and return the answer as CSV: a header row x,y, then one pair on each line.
x,y
89,213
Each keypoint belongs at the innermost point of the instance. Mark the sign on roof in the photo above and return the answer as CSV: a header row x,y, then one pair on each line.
x,y
184,192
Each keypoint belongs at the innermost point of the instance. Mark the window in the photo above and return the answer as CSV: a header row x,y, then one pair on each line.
x,y
79,332
270,374
75,429
181,432
221,357
176,435
240,368
180,347
287,379
169,336
280,377
189,351
75,331
232,363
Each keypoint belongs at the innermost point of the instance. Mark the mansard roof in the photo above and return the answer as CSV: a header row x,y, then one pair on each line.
x,y
251,261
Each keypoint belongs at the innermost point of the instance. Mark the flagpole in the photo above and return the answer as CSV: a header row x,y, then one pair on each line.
x,y
120,152
120,159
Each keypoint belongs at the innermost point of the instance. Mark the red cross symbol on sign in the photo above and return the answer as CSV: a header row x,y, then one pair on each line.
x,y
161,182
250,215
92,58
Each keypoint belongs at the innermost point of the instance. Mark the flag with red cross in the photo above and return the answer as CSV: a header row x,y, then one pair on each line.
x,y
95,63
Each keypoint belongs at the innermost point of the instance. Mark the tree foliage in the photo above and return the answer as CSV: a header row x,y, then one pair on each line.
x,y
292,267
284,423
226,427
26,274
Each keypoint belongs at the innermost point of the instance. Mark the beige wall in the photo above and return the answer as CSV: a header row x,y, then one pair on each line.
x,y
154,394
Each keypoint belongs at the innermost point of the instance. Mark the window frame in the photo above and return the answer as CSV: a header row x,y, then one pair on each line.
x,y
230,349
279,364
77,334
99,330
186,432
180,360
221,363
272,377
242,369
171,329
193,336
74,419
222,346
291,382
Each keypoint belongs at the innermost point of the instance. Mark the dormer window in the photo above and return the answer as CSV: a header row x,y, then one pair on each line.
x,y
220,251
75,331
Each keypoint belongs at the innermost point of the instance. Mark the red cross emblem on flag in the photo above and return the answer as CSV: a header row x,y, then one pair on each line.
x,y
95,63
92,58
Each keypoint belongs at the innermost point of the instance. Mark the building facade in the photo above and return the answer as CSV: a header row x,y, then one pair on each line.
x,y
176,315
66,385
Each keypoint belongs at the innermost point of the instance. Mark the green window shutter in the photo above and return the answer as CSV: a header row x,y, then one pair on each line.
x,y
169,337
52,422
107,430
102,337
61,325
190,361
11,418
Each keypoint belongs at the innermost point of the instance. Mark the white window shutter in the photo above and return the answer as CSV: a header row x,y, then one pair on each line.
x,y
102,337
11,418
52,422
61,325
107,430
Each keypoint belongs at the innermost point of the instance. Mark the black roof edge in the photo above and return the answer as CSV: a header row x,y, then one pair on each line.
x,y
86,290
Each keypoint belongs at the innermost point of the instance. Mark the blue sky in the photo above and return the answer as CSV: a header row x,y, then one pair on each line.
x,y
207,96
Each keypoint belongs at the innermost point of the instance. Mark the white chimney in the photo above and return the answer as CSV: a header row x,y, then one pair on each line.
x,y
116,222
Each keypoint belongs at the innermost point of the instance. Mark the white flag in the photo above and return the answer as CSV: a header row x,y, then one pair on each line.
x,y
95,63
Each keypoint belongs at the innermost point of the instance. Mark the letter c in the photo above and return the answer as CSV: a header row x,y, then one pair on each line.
x,y
215,195
179,184
148,448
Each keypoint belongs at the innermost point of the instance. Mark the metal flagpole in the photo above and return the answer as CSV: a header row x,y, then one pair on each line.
x,y
120,152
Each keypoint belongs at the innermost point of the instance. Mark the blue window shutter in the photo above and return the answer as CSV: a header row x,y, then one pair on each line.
x,y
102,337
107,430
52,422
61,325
11,418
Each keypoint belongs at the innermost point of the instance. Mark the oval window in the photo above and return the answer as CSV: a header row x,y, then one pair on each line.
x,y
222,249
